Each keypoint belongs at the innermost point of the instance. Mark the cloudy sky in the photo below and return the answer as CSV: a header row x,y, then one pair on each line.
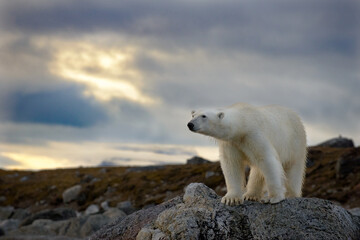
x,y
103,82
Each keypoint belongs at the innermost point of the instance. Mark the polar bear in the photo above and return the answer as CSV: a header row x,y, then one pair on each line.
x,y
269,139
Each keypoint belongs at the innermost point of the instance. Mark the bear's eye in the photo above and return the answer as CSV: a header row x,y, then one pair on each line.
x,y
203,116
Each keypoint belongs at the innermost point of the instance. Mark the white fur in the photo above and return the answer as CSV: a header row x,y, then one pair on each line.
x,y
270,139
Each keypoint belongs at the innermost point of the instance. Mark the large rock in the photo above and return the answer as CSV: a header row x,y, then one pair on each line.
x,y
348,163
197,160
6,212
56,214
9,224
20,214
339,142
76,227
129,226
92,209
71,194
126,207
200,215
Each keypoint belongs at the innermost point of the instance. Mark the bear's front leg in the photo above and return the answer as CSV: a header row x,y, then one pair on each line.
x,y
234,172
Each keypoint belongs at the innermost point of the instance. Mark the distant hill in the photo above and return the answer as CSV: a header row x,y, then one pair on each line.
x,y
332,173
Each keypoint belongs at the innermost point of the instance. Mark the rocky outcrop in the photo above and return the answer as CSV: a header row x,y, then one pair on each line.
x,y
348,163
200,215
129,227
52,214
339,142
59,223
197,160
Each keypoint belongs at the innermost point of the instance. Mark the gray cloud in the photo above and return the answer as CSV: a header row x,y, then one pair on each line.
x,y
301,54
62,107
270,27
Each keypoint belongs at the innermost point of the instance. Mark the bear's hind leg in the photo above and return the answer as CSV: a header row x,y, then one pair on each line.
x,y
254,188
274,178
295,178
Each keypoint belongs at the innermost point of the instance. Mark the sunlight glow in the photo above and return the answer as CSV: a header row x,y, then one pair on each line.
x,y
75,154
107,73
34,162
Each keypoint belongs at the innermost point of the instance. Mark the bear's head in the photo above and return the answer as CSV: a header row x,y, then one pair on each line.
x,y
211,123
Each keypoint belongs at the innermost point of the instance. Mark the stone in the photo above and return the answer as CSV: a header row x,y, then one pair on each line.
x,y
87,178
355,211
38,227
24,179
209,174
56,214
80,227
126,207
9,224
151,234
6,212
339,142
105,205
92,209
93,223
201,215
114,213
129,226
197,160
144,168
71,194
2,199
95,180
348,163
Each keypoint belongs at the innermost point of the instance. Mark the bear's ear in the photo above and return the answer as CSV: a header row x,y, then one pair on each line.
x,y
220,115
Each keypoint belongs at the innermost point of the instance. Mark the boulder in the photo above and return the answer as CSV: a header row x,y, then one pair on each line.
x,y
114,213
9,224
6,212
92,224
71,194
201,215
355,211
348,163
20,214
56,214
38,237
209,174
339,142
24,178
129,226
197,160
126,207
105,205
92,209
80,227
38,227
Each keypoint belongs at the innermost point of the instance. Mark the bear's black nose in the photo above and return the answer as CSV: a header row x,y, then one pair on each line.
x,y
191,126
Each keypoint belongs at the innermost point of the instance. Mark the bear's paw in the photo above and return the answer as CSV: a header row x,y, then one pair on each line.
x,y
273,199
232,199
251,196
